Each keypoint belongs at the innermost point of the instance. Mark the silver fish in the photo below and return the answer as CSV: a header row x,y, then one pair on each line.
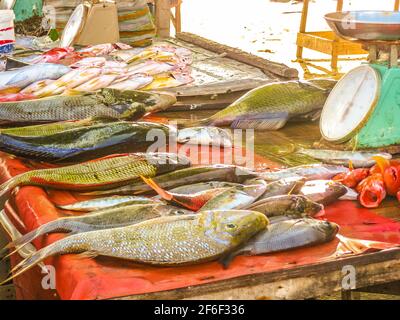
x,y
236,198
22,77
106,202
287,235
323,191
359,159
290,205
205,136
308,172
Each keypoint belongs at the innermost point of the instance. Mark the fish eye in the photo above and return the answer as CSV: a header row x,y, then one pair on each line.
x,y
231,226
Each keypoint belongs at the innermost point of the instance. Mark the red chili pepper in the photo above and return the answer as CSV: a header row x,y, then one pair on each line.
x,y
398,196
372,191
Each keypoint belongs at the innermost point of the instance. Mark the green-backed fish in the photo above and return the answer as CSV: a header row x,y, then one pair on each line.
x,y
102,219
48,129
128,105
106,202
103,173
165,241
84,143
287,235
289,205
218,172
271,106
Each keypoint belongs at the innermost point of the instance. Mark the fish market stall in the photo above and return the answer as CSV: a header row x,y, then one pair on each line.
x,y
188,169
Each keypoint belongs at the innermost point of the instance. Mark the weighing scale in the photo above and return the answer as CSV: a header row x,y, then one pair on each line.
x,y
92,22
363,109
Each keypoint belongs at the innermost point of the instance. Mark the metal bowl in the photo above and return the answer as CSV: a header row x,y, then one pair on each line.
x,y
365,25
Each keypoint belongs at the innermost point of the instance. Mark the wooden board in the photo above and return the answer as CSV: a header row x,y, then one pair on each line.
x,y
216,77
305,282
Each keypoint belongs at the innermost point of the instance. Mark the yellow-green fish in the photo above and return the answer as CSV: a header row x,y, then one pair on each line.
x,y
165,241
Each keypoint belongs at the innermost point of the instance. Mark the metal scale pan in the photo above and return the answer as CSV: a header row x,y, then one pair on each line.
x,y
367,26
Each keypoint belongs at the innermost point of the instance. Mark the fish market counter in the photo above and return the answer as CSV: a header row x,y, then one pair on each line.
x,y
296,274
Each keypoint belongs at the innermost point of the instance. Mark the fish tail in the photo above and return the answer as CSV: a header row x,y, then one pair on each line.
x,y
30,262
63,246
60,225
161,192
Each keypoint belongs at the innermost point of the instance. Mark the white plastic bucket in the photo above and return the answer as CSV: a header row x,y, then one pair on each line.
x,y
7,33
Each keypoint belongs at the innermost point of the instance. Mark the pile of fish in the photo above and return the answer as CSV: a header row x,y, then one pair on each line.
x,y
185,215
117,66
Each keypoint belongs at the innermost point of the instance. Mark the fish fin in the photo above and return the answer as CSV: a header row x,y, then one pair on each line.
x,y
189,123
291,190
88,254
261,122
227,259
151,183
72,92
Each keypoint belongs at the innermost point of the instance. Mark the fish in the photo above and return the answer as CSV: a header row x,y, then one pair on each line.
x,y
127,105
106,202
207,173
271,106
102,219
192,202
70,80
96,83
36,86
85,143
202,186
236,198
89,62
205,136
289,205
48,129
102,173
54,55
23,77
166,241
150,68
308,172
283,187
324,192
359,159
162,81
134,82
13,97
286,235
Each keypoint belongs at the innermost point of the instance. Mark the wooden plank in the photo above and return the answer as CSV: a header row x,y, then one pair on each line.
x,y
163,18
392,288
217,88
276,68
303,282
